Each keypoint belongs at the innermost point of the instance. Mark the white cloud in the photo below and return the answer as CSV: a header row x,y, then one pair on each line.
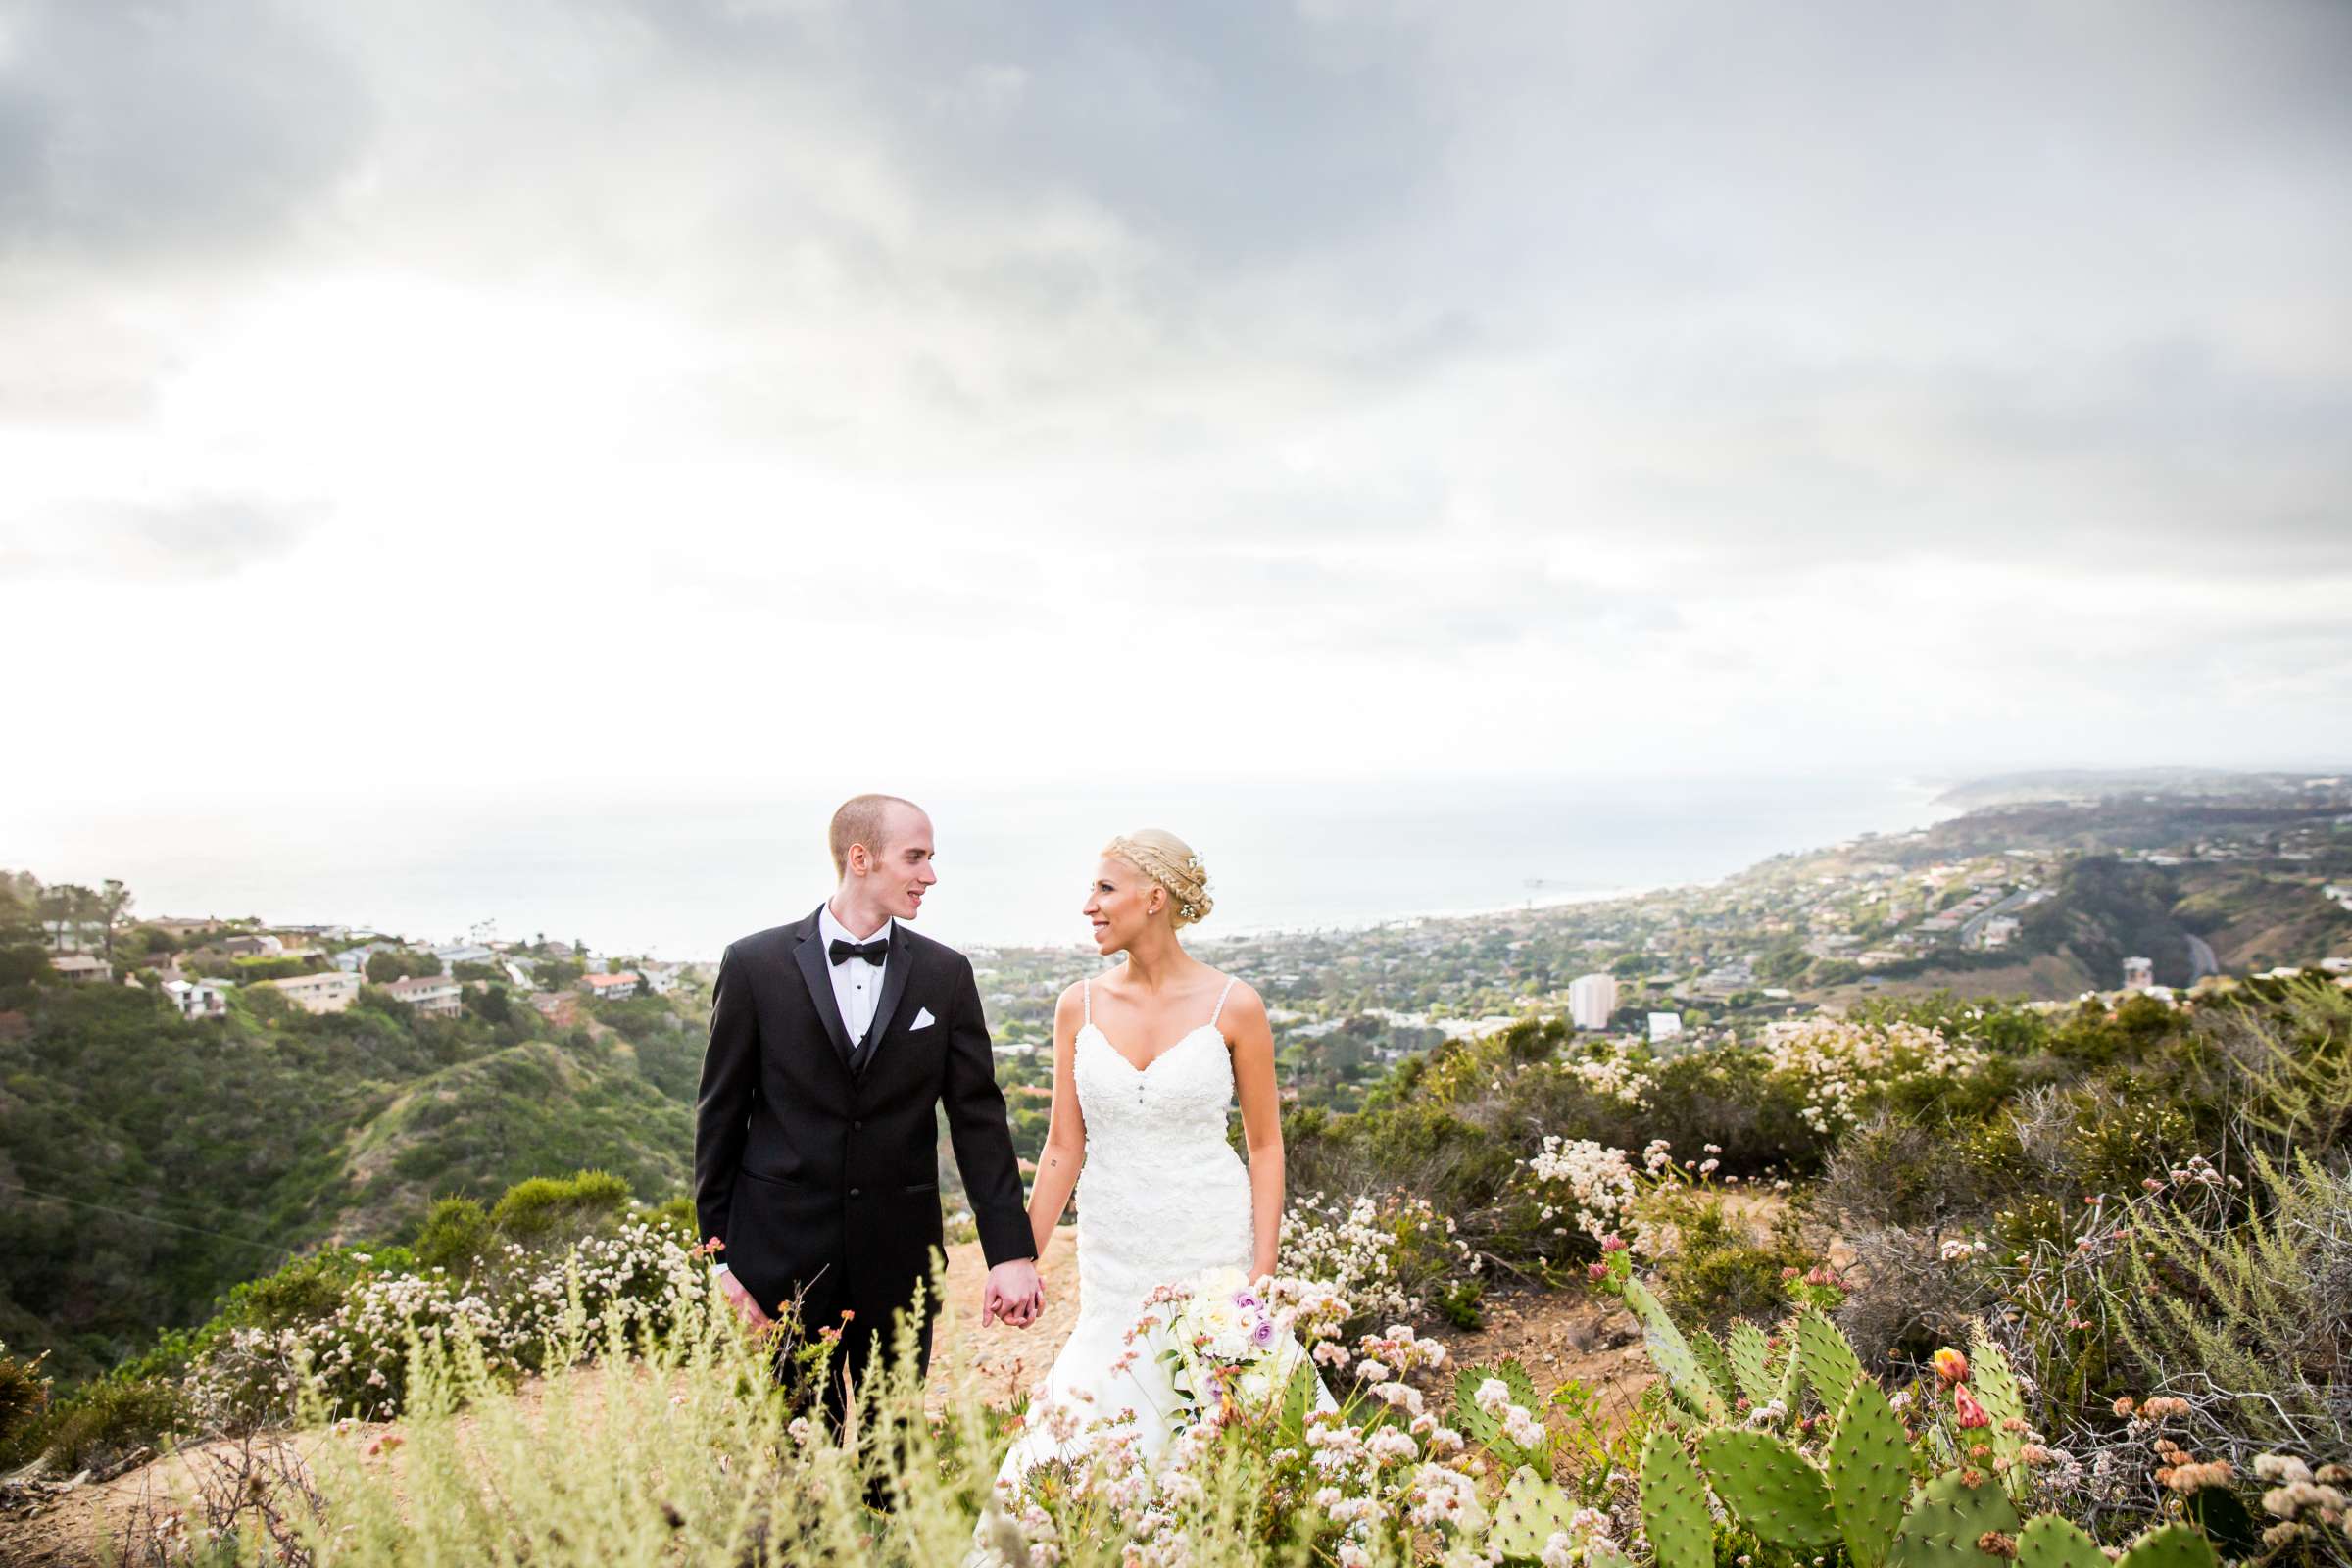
x,y
1186,388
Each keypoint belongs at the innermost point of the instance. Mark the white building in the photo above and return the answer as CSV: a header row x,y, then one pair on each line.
x,y
80,967
198,999
1591,998
1665,1026
2138,974
331,992
1998,930
436,996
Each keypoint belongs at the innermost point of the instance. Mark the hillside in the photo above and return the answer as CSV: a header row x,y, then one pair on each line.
x,y
153,1161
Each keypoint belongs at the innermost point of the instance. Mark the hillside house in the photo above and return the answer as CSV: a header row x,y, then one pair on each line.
x,y
82,968
610,987
198,999
436,996
254,945
331,991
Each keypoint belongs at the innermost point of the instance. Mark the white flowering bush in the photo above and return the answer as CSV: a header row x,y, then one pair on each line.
x,y
1837,1066
1380,1478
1381,1257
354,1357
1605,1068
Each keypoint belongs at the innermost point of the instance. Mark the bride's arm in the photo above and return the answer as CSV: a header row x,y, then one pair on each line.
x,y
1065,1154
1252,1039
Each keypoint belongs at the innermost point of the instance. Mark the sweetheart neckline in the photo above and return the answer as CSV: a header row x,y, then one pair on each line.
x,y
1144,1070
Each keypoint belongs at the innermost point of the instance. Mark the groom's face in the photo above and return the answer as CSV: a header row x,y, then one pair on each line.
x,y
901,873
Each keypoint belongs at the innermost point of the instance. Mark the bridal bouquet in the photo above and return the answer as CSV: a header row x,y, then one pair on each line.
x,y
1229,1350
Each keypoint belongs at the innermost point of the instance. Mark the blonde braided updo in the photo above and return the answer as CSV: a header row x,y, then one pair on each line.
x,y
1169,862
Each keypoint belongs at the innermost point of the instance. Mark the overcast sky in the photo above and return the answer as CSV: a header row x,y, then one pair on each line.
x,y
430,397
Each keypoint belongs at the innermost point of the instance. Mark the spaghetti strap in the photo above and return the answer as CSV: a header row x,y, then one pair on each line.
x,y
1220,1007
1087,985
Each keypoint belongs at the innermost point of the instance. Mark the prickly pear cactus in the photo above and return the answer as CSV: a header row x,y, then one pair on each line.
x,y
1674,1505
1671,1353
1870,1474
1990,1380
1829,1360
1771,1489
2049,1542
1717,1365
2171,1547
1532,1512
1483,1430
1951,1515
1749,1358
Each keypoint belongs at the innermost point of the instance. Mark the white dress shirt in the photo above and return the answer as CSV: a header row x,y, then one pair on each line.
x,y
856,984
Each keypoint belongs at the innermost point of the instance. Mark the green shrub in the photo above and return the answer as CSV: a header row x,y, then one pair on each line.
x,y
545,1204
24,1408
112,1417
1719,1269
456,1232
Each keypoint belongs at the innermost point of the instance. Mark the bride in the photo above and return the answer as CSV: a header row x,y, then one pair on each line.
x,y
1145,1060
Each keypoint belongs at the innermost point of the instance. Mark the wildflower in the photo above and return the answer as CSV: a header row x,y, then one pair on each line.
x,y
1493,1395
1970,1412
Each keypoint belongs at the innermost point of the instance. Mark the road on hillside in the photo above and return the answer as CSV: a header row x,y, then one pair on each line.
x,y
1975,922
2201,959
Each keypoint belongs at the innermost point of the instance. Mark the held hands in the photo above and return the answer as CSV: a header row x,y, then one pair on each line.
x,y
1014,1294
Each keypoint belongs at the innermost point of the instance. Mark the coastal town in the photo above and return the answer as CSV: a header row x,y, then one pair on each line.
x,y
2172,896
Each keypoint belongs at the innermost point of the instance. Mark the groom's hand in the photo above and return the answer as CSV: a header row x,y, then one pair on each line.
x,y
1013,1293
741,1299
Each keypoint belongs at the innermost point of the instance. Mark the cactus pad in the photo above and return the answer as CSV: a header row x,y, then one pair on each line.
x,y
1712,1360
1674,1505
1829,1360
1671,1354
1771,1489
2049,1542
1994,1385
1870,1474
2171,1547
1532,1512
1948,1518
1748,1357
1484,1431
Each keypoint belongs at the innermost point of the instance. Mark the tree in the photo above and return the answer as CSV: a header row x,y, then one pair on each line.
x,y
114,903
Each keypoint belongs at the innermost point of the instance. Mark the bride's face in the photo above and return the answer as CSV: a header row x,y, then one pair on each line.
x,y
1121,902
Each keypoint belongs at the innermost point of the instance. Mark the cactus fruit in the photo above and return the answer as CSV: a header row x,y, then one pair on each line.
x,y
1484,1430
1830,1363
1950,1517
1771,1488
1749,1356
1870,1474
2049,1542
1995,1389
1532,1512
1671,1354
1715,1364
2171,1547
1674,1505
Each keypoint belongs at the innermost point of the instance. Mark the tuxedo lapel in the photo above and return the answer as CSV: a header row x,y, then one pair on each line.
x,y
886,1006
811,954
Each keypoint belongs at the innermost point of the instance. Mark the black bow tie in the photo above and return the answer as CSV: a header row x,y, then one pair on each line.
x,y
874,951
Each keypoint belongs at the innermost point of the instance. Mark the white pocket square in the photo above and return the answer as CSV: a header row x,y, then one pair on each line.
x,y
922,1020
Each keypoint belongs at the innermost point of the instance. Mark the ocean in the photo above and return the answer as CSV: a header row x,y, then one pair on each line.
x,y
678,877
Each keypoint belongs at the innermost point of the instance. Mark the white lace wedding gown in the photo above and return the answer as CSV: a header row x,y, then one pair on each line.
x,y
1162,1197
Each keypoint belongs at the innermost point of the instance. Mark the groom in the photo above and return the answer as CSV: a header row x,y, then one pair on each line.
x,y
832,1042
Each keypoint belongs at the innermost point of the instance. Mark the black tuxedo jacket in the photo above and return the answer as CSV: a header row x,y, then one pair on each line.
x,y
816,1155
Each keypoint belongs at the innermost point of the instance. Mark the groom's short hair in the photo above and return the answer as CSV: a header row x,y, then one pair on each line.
x,y
862,819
